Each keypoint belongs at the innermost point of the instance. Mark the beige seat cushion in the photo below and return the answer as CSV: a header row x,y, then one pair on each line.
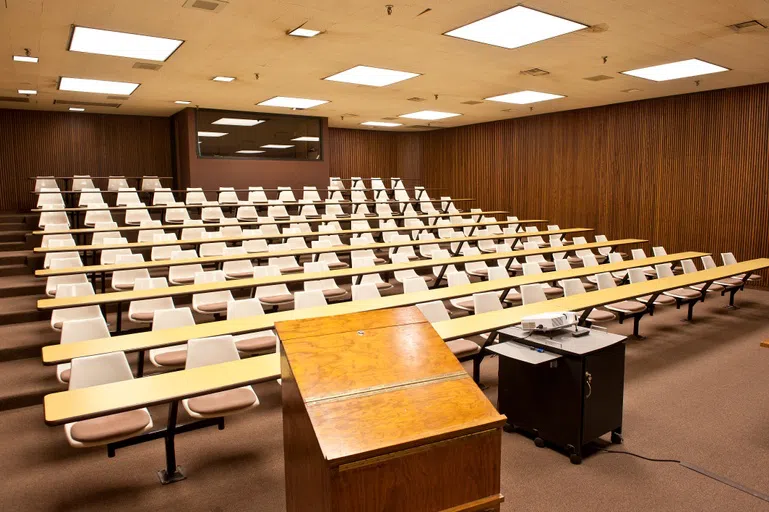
x,y
383,286
291,270
256,343
241,273
213,307
466,304
661,300
479,272
462,347
599,316
730,282
184,279
546,265
173,358
334,292
712,288
574,260
685,293
109,427
222,402
65,375
589,286
552,291
337,264
277,299
513,297
379,261
143,316
57,325
631,306
123,287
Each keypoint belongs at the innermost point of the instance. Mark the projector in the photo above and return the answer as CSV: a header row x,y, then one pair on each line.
x,y
549,321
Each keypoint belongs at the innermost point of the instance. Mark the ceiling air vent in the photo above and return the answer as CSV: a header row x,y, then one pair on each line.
x,y
471,102
350,115
535,72
205,5
748,26
121,98
422,127
389,118
147,66
415,98
598,78
85,103
14,99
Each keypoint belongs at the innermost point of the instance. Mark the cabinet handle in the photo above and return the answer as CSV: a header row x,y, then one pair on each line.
x,y
589,382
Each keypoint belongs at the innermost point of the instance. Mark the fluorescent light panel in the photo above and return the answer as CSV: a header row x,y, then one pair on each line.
x,y
30,92
381,123
516,27
76,109
24,58
306,139
96,86
675,70
182,102
122,44
304,32
524,97
231,121
375,77
212,134
223,78
430,115
288,102
249,151
277,146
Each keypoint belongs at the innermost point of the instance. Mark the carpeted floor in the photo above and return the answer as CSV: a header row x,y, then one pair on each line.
x,y
695,392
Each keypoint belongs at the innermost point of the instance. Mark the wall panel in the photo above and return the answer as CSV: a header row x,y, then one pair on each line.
x,y
369,154
686,172
63,143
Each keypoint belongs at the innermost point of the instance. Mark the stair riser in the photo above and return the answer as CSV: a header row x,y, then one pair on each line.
x,y
14,260
23,291
25,400
12,246
16,270
25,316
13,236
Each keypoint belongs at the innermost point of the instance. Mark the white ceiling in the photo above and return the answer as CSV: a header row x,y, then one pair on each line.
x,y
249,36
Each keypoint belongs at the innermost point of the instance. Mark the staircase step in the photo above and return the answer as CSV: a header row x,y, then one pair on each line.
x,y
12,246
14,310
25,340
16,269
13,236
25,382
16,257
13,226
25,283
14,217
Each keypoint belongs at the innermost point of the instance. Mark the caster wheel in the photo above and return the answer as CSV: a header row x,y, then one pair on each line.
x,y
575,459
616,438
539,442
509,428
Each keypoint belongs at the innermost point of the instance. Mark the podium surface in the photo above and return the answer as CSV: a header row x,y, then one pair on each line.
x,y
379,415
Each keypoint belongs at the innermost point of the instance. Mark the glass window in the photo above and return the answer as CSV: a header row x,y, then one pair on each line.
x,y
230,134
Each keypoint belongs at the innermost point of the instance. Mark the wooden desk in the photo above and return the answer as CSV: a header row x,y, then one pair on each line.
x,y
55,354
378,414
216,190
339,249
258,223
106,399
486,322
304,234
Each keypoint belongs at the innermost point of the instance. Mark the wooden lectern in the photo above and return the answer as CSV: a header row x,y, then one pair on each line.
x,y
378,415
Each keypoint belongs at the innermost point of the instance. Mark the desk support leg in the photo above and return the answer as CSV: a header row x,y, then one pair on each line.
x,y
119,320
440,276
172,473
140,364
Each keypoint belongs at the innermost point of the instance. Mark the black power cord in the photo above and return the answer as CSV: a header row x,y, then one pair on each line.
x,y
650,459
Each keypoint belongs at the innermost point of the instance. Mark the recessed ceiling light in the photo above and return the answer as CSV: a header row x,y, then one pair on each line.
x,y
304,32
122,44
516,27
381,123
249,151
76,109
306,139
675,70
284,101
277,146
212,134
182,102
25,58
96,86
375,77
223,78
30,92
430,115
231,121
524,97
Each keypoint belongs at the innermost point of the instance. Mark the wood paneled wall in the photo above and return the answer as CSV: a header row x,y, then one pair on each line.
x,y
63,144
369,154
686,172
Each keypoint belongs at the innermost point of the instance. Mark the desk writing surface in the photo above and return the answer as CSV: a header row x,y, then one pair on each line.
x,y
485,322
521,352
296,252
235,284
271,222
563,341
84,403
358,351
54,354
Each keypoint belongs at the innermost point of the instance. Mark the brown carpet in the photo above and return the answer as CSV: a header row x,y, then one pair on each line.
x,y
696,392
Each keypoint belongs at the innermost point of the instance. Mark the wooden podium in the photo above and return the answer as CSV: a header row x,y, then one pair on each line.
x,y
378,415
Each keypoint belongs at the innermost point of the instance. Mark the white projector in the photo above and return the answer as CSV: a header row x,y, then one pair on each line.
x,y
549,321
